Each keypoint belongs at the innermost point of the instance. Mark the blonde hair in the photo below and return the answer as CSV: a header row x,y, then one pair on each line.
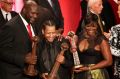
x,y
91,2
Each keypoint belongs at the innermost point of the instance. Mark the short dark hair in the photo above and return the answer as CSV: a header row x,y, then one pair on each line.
x,y
49,22
92,23
90,18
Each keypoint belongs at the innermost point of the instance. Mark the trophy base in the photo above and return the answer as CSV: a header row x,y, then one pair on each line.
x,y
30,73
78,66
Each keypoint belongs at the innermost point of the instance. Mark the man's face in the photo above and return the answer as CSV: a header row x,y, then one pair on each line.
x,y
7,5
49,33
32,14
119,10
97,7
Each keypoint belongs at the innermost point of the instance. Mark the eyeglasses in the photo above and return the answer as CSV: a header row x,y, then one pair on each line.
x,y
8,3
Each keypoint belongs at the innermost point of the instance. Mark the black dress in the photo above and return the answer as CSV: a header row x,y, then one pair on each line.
x,y
89,57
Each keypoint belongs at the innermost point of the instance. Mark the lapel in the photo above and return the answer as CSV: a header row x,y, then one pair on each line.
x,y
2,20
1,16
13,14
46,4
23,28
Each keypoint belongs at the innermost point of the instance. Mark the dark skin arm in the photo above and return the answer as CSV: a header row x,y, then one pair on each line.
x,y
107,61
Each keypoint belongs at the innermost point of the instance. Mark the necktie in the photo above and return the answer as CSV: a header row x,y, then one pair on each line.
x,y
6,18
29,30
52,55
100,24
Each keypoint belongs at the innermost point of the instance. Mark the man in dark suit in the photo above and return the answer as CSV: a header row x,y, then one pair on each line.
x,y
16,44
6,12
54,12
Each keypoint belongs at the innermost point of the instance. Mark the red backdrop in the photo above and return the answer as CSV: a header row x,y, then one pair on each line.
x,y
72,13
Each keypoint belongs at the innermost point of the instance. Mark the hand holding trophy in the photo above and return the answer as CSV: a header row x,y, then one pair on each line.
x,y
30,68
53,73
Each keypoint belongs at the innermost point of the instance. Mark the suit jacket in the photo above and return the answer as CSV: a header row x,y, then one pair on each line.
x,y
14,45
56,12
2,20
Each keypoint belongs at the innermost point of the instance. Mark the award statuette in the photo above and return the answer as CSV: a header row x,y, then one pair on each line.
x,y
73,40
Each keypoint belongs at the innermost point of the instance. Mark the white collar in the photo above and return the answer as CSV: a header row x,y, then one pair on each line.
x,y
4,13
24,21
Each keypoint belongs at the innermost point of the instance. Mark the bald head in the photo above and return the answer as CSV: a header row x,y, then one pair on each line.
x,y
95,6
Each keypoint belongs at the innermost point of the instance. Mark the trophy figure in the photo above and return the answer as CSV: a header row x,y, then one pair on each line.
x,y
73,40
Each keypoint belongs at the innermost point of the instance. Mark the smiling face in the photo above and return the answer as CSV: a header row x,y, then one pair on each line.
x,y
30,11
33,13
49,33
91,29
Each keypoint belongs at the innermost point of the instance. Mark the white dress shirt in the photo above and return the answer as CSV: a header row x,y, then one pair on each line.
x,y
25,23
4,14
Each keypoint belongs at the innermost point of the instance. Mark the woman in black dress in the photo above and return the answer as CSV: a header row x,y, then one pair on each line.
x,y
94,53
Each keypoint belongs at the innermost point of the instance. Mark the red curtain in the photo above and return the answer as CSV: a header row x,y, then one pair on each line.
x,y
115,8
71,11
